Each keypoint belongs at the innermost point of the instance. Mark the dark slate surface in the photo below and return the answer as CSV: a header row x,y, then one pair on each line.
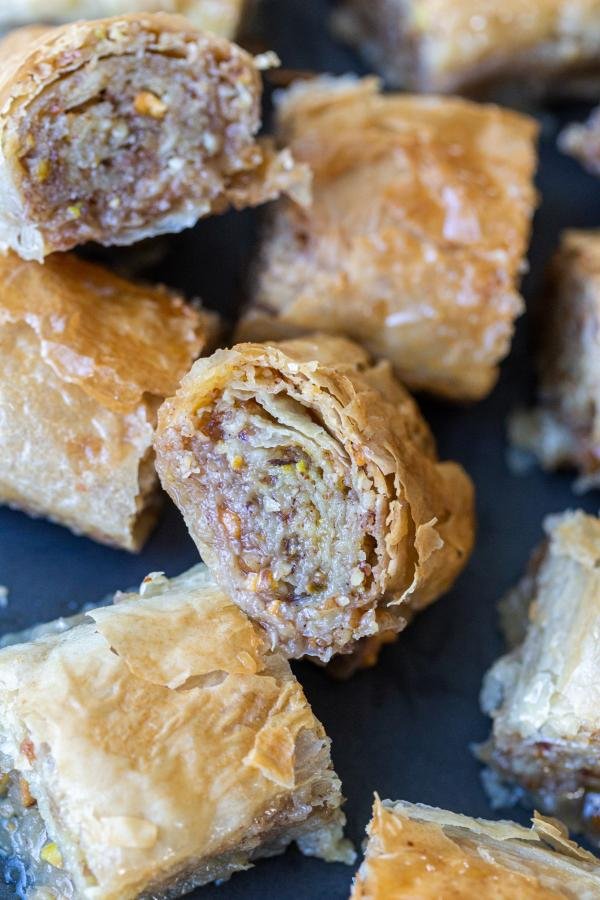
x,y
404,728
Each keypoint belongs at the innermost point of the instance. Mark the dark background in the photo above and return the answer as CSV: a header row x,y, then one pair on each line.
x,y
404,728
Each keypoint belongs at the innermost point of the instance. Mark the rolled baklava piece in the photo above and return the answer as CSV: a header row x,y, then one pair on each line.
x,y
449,46
415,239
159,746
87,358
311,486
420,852
543,695
222,17
583,142
119,129
564,429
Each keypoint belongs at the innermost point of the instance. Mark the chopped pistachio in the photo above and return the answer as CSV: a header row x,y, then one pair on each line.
x,y
51,854
43,170
3,784
302,466
148,104
74,210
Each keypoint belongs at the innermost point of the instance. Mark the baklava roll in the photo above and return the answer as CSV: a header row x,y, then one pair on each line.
x,y
415,240
583,142
311,486
420,852
87,358
448,46
564,429
543,695
222,17
119,129
159,746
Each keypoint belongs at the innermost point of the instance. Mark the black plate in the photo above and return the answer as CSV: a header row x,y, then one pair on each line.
x,y
404,728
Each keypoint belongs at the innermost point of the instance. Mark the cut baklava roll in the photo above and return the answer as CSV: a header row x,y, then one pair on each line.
x,y
583,142
415,239
462,46
219,16
87,357
420,852
159,746
564,429
543,695
310,484
119,129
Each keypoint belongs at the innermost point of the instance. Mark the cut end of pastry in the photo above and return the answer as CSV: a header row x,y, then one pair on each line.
x,y
290,463
423,852
544,744
145,126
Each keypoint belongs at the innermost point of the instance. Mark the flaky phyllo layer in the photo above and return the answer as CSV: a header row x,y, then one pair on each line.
x,y
175,749
122,128
310,484
543,695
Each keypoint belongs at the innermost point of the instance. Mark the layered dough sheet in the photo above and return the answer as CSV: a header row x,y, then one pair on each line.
x,y
87,357
161,746
564,429
417,852
311,486
222,17
119,129
543,695
583,142
457,46
415,241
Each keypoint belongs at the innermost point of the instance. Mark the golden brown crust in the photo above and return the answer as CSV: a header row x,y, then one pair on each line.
x,y
415,240
341,406
87,357
542,695
565,429
423,853
146,767
228,166
466,45
221,17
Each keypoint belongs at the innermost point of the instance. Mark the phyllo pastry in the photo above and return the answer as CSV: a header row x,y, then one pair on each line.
x,y
159,746
311,486
87,358
474,45
420,852
415,240
119,129
222,17
543,696
564,430
583,142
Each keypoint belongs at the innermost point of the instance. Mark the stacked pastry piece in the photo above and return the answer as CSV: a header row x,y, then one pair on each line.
x,y
111,131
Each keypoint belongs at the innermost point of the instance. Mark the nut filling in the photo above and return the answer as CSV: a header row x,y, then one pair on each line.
x,y
295,518
33,862
115,145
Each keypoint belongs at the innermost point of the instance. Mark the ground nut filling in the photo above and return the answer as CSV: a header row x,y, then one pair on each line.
x,y
295,521
33,863
124,140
